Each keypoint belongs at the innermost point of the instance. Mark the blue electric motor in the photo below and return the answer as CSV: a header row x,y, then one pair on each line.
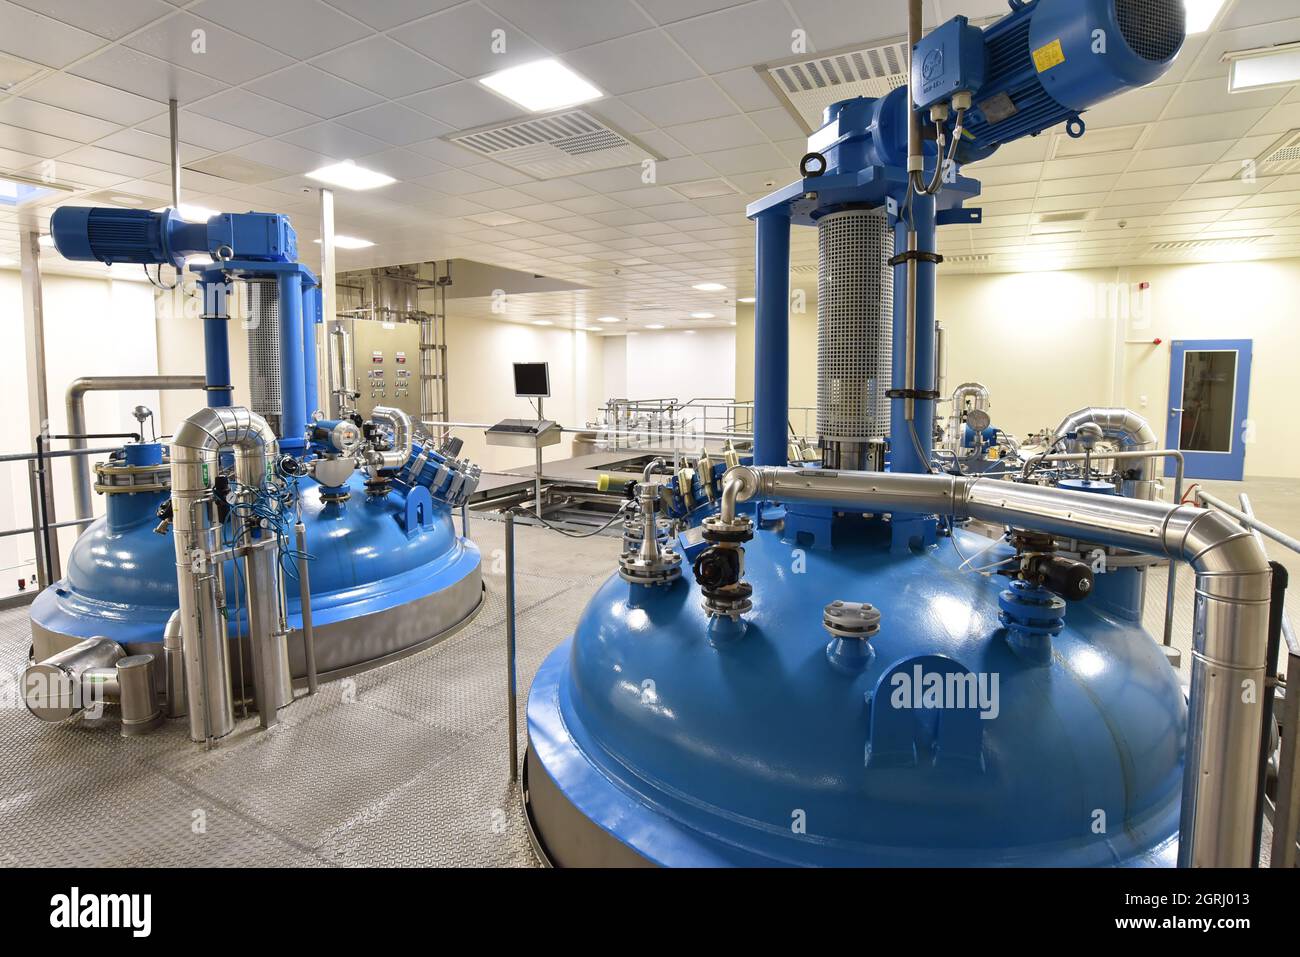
x,y
1045,63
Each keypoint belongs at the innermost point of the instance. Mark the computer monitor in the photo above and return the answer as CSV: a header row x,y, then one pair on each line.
x,y
532,380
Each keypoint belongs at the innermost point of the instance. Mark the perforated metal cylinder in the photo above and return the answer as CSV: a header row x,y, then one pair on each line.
x,y
264,349
855,331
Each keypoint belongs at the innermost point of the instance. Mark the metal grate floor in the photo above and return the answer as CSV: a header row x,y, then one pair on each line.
x,y
404,765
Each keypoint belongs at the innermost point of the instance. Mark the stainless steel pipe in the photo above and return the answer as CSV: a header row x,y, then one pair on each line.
x,y
1230,641
195,452
75,406
1130,430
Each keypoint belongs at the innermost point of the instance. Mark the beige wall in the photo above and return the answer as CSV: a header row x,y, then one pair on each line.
x,y
481,388
1048,343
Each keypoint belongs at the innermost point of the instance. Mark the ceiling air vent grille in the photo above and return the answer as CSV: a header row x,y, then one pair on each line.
x,y
1196,245
562,144
811,85
1279,159
974,259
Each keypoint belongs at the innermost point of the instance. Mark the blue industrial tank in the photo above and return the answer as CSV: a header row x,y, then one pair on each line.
x,y
382,581
658,735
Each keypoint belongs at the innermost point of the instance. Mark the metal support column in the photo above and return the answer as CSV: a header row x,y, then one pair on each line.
x,y
512,682
328,292
772,338
38,403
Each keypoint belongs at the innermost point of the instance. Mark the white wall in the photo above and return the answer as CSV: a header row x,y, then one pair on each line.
x,y
680,364
92,327
1047,343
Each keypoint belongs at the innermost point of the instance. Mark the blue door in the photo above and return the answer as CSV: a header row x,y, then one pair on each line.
x,y
1209,390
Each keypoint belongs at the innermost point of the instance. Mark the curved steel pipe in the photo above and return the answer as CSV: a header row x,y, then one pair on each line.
x,y
195,463
1230,641
1130,430
403,438
75,404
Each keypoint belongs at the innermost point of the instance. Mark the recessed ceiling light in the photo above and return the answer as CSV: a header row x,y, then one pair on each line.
x,y
703,315
1263,69
1201,14
690,332
591,329
192,214
350,176
709,287
747,299
47,241
608,319
348,242
654,325
541,85
19,191
199,260
543,322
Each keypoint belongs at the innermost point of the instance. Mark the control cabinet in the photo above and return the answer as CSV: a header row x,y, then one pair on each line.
x,y
386,363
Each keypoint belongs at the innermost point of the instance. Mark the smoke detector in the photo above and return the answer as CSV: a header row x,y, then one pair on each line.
x,y
561,144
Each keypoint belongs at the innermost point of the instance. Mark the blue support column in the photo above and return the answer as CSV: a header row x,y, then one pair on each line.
x,y
772,338
216,343
311,315
293,392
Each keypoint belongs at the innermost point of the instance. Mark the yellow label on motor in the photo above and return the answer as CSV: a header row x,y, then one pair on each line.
x,y
1046,57
602,483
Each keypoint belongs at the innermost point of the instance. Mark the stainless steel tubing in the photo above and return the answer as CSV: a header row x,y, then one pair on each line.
x,y
1130,430
75,405
403,437
174,666
54,690
137,691
1233,592
1171,587
268,644
304,597
195,451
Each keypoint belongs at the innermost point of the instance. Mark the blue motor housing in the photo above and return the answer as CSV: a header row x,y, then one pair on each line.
x,y
108,235
1049,60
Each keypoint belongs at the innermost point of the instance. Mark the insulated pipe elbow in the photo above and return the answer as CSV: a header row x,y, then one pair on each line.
x,y
1130,430
403,437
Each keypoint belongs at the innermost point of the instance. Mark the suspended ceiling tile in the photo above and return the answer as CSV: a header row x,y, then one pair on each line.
x,y
300,28
314,91
31,142
41,39
253,112
385,66
148,146
635,62
390,13
741,36
471,40
32,115
147,76
464,105
86,96
394,124
206,48
335,141
203,131
573,23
